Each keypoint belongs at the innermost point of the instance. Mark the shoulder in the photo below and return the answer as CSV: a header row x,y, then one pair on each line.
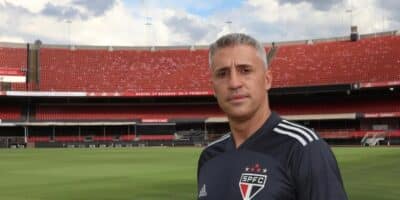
x,y
304,146
220,141
298,134
217,146
213,149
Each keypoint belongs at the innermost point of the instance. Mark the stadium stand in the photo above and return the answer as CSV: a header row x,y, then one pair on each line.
x,y
9,112
357,134
70,100
96,138
120,112
156,137
23,86
108,138
45,139
371,59
101,70
12,57
341,105
124,70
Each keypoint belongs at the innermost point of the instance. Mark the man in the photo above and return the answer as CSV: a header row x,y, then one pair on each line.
x,y
264,157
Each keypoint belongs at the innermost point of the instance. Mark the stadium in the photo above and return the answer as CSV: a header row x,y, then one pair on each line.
x,y
70,96
129,122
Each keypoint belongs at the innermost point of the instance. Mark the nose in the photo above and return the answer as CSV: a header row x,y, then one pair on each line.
x,y
235,80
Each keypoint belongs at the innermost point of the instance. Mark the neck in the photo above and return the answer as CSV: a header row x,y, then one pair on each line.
x,y
242,129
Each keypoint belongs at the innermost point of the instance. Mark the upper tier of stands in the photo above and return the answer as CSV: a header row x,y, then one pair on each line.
x,y
12,57
367,60
124,70
373,59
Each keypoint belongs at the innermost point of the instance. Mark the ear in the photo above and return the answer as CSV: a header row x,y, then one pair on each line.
x,y
268,79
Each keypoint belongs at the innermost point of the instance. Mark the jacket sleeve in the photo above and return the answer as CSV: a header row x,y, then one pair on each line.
x,y
200,163
316,173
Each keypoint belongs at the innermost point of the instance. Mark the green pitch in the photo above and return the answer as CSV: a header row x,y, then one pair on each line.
x,y
161,173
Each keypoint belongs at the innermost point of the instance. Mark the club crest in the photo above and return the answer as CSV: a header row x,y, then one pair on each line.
x,y
252,181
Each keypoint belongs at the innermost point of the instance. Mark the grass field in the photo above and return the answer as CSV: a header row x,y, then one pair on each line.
x,y
161,173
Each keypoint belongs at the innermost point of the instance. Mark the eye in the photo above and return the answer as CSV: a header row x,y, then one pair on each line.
x,y
244,69
221,73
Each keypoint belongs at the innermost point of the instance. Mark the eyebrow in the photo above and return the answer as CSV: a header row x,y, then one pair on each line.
x,y
243,65
236,66
221,68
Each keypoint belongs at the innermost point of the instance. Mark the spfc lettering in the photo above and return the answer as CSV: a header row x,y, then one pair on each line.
x,y
253,179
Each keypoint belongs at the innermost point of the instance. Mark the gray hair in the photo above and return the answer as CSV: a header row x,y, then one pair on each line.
x,y
233,39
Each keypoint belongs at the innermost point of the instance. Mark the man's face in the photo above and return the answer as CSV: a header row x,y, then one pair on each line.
x,y
240,81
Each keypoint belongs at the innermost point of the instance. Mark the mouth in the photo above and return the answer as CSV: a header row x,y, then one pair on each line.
x,y
237,98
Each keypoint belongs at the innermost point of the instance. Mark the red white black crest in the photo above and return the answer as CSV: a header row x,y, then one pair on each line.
x,y
252,181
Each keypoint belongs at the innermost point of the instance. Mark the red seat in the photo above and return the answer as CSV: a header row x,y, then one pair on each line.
x,y
339,106
50,112
13,58
367,60
156,137
9,112
373,59
124,70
